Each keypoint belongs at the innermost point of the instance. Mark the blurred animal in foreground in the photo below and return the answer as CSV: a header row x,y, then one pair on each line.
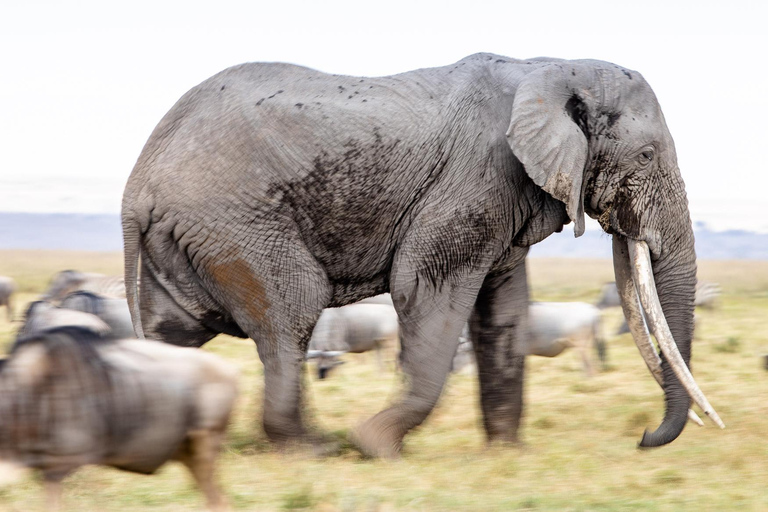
x,y
112,311
552,328
354,328
42,316
7,288
68,398
69,281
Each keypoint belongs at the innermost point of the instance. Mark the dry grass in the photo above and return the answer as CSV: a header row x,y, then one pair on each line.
x,y
580,435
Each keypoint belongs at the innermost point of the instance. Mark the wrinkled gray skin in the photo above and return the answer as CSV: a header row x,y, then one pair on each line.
x,y
70,281
271,191
7,288
113,312
355,328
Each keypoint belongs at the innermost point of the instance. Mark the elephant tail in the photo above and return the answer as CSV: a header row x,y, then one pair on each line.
x,y
131,254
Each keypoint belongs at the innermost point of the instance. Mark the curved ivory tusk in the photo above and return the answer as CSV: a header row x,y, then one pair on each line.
x,y
630,304
643,276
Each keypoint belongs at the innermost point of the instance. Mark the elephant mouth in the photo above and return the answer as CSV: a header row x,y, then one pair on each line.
x,y
637,291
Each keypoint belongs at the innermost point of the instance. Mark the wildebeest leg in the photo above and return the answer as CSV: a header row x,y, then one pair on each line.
x,y
199,455
585,349
379,347
431,313
499,328
53,489
276,297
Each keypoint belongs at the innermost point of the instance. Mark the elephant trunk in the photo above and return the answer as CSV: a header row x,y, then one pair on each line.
x,y
666,289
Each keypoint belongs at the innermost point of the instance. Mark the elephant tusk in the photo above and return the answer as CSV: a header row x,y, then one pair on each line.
x,y
642,274
630,304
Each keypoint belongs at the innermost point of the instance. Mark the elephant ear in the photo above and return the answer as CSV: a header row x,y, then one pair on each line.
x,y
547,133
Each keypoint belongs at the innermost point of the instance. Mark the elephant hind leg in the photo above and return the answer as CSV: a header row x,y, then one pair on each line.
x,y
276,297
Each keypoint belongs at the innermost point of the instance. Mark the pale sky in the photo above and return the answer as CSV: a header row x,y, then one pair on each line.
x,y
84,83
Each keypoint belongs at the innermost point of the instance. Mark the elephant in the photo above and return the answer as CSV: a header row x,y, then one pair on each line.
x,y
7,288
271,191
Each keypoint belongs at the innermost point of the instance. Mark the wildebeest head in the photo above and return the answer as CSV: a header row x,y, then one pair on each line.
x,y
326,361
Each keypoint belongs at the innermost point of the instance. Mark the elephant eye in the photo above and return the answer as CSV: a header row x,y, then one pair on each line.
x,y
645,157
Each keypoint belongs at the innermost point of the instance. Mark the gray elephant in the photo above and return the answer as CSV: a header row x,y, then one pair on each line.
x,y
7,289
272,191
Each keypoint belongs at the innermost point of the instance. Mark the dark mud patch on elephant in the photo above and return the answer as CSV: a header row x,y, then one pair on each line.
x,y
347,204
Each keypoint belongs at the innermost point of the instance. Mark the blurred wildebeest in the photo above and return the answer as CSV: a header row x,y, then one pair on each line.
x,y
552,328
69,281
555,326
7,287
465,355
42,316
354,328
68,397
112,311
707,296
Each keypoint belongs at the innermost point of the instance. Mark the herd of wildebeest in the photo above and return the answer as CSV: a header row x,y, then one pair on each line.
x,y
78,387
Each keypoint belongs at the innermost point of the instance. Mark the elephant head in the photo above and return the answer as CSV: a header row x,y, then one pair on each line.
x,y
593,136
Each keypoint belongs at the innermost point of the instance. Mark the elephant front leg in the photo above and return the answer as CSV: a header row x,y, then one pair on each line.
x,y
499,329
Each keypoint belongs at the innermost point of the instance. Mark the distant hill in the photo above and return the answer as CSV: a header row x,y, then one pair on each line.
x,y
713,245
86,232
71,231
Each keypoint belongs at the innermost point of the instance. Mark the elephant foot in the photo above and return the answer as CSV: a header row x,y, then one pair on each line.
x,y
504,433
508,439
380,436
313,443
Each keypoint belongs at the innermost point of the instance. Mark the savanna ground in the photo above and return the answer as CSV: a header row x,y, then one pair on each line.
x,y
580,434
